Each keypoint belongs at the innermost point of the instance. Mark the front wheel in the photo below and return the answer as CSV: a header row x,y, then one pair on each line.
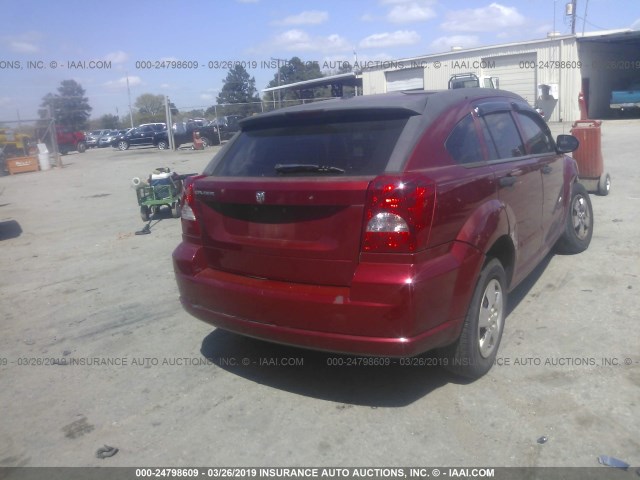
x,y
205,142
475,351
81,147
122,145
163,145
579,223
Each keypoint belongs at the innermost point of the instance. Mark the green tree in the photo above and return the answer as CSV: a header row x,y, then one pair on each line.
x,y
150,108
293,71
110,121
69,106
238,88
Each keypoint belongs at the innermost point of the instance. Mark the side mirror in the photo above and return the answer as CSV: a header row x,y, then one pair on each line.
x,y
567,143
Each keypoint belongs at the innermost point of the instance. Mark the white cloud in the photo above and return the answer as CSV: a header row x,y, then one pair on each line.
x,y
294,40
121,83
117,57
441,44
23,47
311,17
410,12
300,41
485,19
24,43
399,37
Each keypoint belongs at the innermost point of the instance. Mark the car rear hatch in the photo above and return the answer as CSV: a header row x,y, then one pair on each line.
x,y
285,200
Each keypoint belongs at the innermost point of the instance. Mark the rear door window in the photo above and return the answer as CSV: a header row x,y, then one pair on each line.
x,y
503,134
349,147
463,143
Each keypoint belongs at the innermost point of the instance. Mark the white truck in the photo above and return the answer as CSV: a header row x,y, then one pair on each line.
x,y
471,80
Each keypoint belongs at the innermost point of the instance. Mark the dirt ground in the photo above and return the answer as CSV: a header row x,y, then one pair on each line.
x,y
95,348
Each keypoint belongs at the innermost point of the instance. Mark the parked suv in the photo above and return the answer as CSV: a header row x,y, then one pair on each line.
x,y
148,134
384,225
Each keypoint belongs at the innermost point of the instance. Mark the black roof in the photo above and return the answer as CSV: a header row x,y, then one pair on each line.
x,y
416,102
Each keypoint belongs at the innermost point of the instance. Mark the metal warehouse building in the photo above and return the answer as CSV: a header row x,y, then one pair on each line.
x,y
593,63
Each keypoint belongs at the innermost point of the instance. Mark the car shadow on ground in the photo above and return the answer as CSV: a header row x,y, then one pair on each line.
x,y
369,381
10,229
521,291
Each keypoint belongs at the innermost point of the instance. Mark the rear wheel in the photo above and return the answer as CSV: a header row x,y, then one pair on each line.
x,y
163,144
205,142
475,351
123,145
81,147
604,184
579,224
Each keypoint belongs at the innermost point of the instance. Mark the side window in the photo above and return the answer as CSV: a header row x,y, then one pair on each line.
x,y
504,135
463,143
491,147
535,137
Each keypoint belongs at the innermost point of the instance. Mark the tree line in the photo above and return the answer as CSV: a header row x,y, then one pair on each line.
x,y
70,107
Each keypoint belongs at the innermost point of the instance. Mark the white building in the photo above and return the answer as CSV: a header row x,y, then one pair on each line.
x,y
593,63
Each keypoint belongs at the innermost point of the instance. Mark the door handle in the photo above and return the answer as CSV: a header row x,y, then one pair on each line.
x,y
508,181
547,169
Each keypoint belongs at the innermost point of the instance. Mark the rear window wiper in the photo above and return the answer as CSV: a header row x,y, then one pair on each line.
x,y
306,168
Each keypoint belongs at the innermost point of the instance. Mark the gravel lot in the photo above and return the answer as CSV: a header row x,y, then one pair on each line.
x,y
78,287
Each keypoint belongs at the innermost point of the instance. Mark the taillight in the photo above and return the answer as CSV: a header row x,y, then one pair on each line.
x,y
398,214
190,225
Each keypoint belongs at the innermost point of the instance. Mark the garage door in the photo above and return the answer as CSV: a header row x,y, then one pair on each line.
x,y
409,79
512,76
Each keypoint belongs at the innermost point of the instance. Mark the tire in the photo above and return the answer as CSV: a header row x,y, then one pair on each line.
x,y
163,145
475,351
176,210
81,147
579,223
63,149
205,142
604,184
123,145
144,213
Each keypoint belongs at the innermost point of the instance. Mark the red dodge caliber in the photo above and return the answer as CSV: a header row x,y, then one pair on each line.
x,y
383,225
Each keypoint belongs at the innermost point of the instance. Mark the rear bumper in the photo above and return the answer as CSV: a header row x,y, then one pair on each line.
x,y
389,309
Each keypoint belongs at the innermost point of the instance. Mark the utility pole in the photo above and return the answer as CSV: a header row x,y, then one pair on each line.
x,y
571,11
167,110
54,137
284,61
129,94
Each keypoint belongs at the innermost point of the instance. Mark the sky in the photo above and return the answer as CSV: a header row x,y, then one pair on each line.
x,y
101,45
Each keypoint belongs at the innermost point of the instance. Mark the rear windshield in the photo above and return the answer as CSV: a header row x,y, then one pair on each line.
x,y
351,147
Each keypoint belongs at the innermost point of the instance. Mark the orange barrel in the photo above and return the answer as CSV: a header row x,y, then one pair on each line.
x,y
197,141
589,153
